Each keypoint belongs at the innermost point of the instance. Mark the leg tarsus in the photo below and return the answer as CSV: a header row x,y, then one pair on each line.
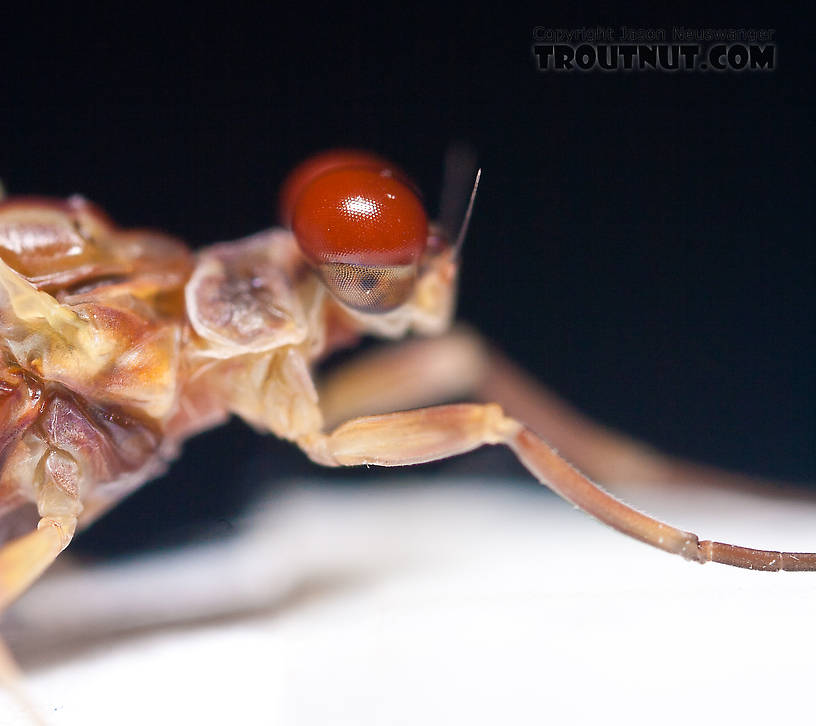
x,y
751,559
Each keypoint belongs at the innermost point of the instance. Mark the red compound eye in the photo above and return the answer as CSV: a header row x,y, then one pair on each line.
x,y
318,165
362,226
360,216
364,230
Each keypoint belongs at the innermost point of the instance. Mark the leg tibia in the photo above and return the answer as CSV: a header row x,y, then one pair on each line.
x,y
757,559
566,481
562,478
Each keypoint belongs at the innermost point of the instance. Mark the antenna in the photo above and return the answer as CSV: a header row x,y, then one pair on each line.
x,y
455,209
460,238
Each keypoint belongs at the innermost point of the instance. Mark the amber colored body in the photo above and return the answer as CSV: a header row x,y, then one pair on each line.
x,y
91,324
115,346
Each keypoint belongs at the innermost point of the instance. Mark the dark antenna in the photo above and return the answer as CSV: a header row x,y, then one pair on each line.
x,y
460,238
454,213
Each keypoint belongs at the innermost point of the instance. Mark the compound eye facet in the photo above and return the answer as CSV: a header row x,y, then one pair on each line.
x,y
365,231
319,164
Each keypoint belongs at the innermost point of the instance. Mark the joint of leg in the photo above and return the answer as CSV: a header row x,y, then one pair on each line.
x,y
694,550
502,429
316,447
64,526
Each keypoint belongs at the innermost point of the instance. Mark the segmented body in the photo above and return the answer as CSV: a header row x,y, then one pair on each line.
x,y
117,345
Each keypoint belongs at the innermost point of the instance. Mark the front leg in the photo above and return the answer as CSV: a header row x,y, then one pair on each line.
x,y
461,365
428,434
24,559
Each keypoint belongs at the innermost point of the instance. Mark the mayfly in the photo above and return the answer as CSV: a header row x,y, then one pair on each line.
x,y
117,345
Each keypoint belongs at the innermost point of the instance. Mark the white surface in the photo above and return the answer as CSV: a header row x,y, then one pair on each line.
x,y
435,604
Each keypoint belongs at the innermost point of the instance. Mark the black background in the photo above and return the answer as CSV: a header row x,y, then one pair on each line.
x,y
643,242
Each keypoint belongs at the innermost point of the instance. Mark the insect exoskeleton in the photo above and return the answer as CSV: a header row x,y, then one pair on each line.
x,y
117,345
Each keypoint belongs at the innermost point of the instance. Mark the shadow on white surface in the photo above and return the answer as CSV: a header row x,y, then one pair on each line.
x,y
452,603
